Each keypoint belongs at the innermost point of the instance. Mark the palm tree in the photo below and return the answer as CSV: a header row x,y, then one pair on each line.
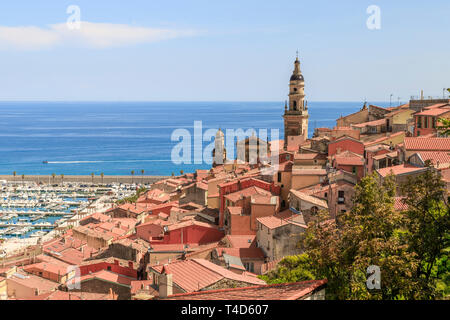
x,y
23,177
142,173
102,175
132,176
53,176
62,178
173,174
14,174
92,175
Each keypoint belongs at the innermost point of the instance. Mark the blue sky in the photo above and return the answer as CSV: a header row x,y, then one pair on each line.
x,y
222,50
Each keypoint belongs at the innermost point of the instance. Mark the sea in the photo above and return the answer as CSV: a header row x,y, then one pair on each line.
x,y
115,138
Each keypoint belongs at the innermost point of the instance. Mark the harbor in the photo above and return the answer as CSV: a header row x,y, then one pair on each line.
x,y
32,211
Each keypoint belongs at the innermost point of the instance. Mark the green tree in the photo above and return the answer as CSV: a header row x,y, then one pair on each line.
x,y
23,177
53,177
291,269
102,175
132,176
142,173
62,177
428,228
92,176
370,234
444,129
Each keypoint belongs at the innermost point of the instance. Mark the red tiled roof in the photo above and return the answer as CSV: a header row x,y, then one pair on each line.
x,y
247,192
434,106
272,222
307,198
142,285
196,274
241,241
379,122
35,282
47,267
399,205
399,170
387,137
283,291
108,276
435,156
433,112
427,144
63,295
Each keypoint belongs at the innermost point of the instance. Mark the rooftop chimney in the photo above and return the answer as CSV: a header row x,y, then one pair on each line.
x,y
165,283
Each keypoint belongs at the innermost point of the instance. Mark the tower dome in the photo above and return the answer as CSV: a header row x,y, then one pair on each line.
x,y
297,74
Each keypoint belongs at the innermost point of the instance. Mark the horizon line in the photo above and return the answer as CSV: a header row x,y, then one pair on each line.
x,y
146,101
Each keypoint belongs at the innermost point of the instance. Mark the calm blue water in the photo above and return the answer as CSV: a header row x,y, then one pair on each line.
x,y
117,137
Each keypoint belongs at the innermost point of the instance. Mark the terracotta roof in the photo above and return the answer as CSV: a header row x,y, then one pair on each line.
x,y
283,291
393,154
384,138
345,137
241,241
435,156
399,205
108,276
307,198
377,147
272,222
47,267
196,274
397,111
98,216
264,199
379,122
32,281
434,106
399,170
349,158
247,192
433,112
142,285
63,295
427,144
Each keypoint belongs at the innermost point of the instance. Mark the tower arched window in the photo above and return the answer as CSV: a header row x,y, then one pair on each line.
x,y
295,105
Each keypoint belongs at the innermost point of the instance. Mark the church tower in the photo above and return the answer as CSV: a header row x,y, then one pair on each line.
x,y
296,113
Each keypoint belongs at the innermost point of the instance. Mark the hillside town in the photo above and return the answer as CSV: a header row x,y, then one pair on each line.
x,y
211,234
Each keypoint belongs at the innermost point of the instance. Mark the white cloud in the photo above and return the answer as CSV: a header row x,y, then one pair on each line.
x,y
94,35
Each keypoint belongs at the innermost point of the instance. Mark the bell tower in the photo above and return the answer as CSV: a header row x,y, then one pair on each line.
x,y
296,113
